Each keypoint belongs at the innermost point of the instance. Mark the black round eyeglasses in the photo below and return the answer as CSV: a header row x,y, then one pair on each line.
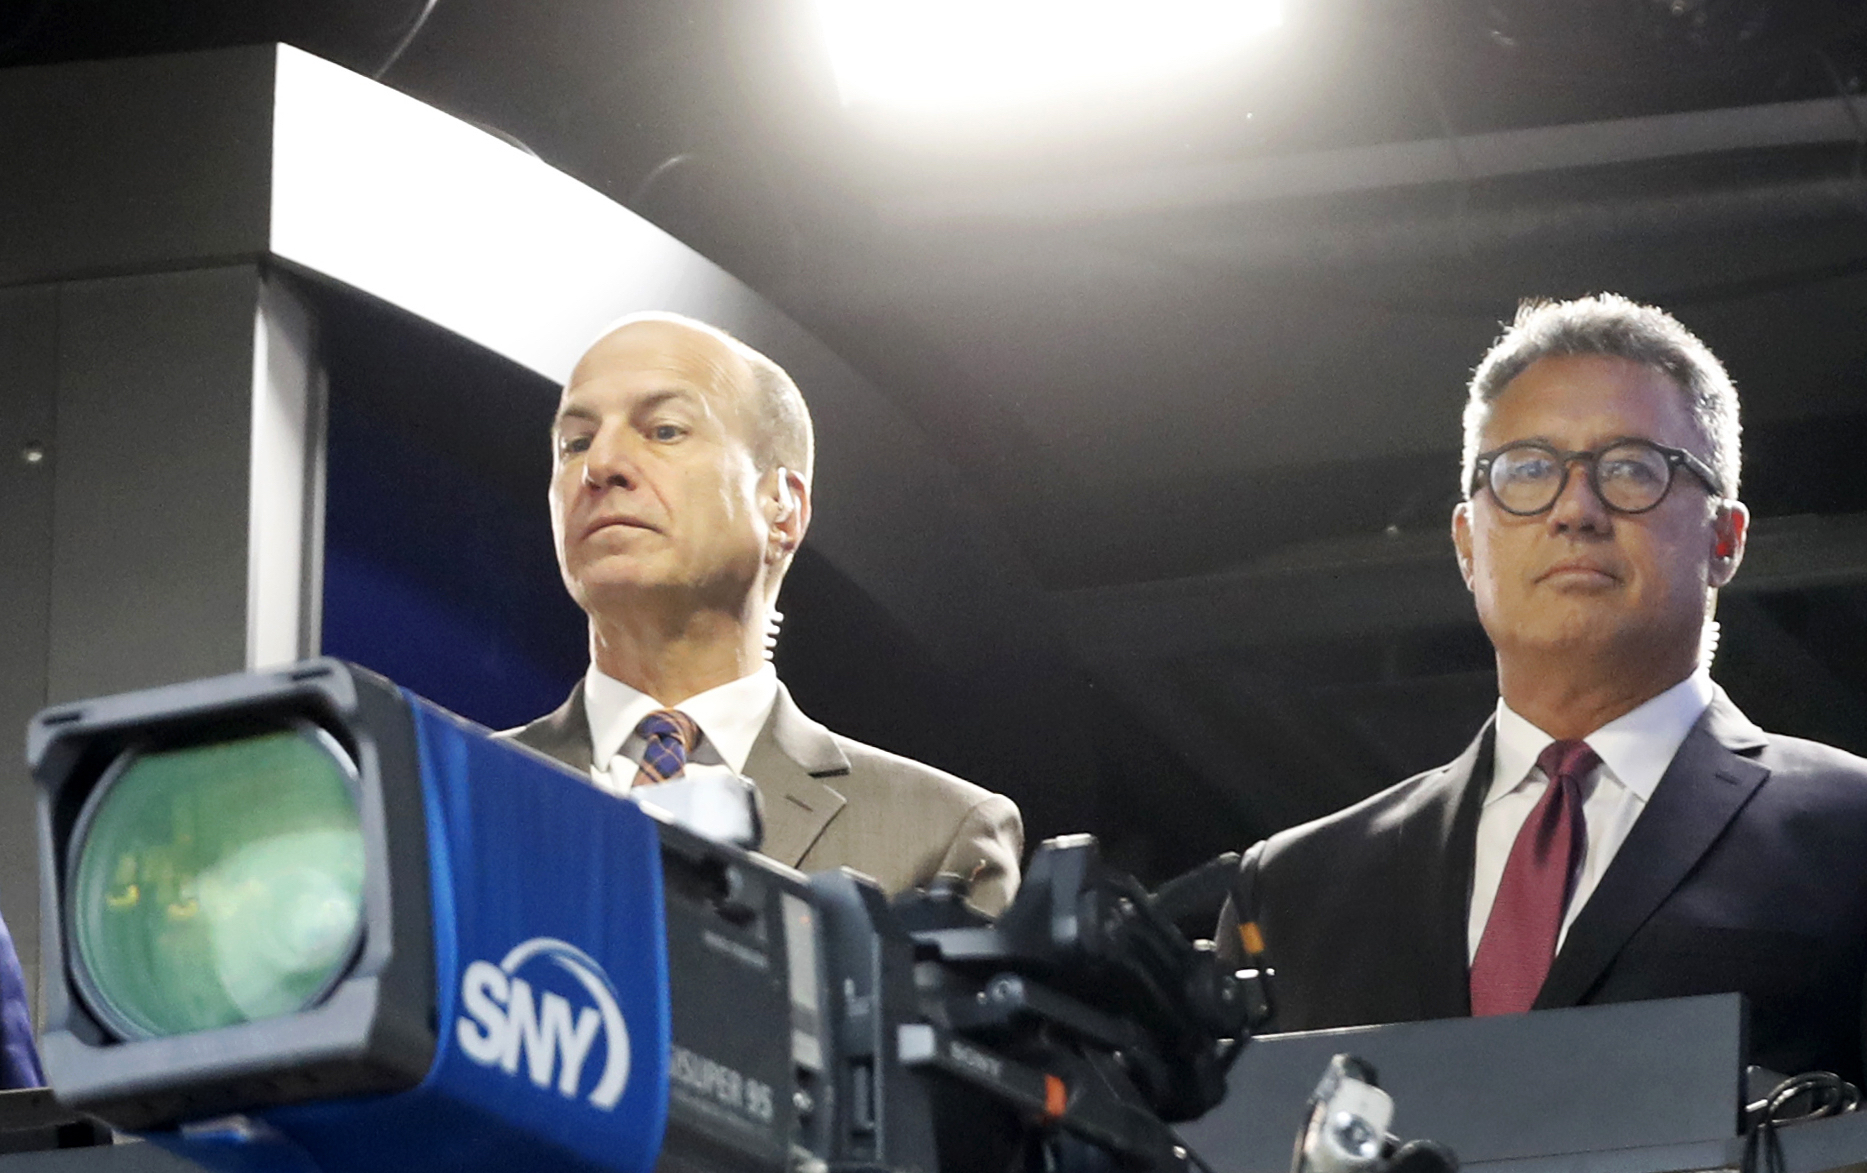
x,y
1629,476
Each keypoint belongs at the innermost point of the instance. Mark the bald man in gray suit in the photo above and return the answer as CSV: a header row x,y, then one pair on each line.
x,y
679,494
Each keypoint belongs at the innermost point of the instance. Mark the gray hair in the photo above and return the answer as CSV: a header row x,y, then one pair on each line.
x,y
1617,327
782,435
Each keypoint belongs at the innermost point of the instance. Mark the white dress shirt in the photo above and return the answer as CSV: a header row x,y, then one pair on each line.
x,y
1634,749
730,718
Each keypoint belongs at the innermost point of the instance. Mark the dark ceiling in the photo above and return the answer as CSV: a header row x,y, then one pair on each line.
x,y
1202,349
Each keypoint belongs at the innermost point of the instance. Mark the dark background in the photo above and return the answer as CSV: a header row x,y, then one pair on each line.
x,y
1219,422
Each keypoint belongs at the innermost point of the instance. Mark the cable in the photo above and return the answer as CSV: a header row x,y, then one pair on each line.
x,y
1829,1095
401,46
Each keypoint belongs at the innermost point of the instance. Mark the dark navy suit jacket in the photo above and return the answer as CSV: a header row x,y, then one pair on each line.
x,y
19,1060
1746,872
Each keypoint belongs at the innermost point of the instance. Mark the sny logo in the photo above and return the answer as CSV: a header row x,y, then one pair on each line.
x,y
504,1017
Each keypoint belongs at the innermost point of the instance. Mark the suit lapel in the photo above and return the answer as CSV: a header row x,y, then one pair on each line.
x,y
1708,782
564,733
790,756
1444,851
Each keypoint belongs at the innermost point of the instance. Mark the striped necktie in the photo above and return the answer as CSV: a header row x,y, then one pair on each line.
x,y
670,735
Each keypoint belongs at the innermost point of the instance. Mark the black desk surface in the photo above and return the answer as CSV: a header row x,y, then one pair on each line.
x,y
1638,1087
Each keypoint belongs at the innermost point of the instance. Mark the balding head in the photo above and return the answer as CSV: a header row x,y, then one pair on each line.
x,y
776,419
680,487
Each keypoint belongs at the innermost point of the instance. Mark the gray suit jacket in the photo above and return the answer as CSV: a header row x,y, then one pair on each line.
x,y
832,802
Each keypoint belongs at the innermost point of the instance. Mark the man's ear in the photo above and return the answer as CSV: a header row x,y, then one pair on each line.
x,y
1462,539
788,510
1730,531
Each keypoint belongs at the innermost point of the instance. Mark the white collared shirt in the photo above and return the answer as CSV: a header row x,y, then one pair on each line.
x,y
1634,749
730,718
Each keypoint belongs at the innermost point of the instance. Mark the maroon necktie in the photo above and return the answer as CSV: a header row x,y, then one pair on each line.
x,y
1519,940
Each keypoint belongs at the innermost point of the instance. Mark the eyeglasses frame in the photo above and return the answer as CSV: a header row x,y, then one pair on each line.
x,y
1676,458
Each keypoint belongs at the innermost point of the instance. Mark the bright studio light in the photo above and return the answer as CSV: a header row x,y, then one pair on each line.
x,y
951,54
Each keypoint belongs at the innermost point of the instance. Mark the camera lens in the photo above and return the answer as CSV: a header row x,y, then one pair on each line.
x,y
217,883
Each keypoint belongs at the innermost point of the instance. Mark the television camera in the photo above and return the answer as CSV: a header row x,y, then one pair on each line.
x,y
304,919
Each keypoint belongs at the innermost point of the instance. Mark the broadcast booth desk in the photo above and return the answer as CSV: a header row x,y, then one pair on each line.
x,y
1633,1088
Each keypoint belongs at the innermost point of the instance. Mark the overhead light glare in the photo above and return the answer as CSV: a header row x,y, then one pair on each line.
x,y
971,54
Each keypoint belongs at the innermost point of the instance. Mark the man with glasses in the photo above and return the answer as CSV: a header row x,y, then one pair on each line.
x,y
1619,830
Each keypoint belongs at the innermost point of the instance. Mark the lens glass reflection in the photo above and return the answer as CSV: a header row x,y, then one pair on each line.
x,y
219,883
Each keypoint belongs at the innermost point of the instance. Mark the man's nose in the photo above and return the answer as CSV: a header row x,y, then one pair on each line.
x,y
609,462
1578,506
